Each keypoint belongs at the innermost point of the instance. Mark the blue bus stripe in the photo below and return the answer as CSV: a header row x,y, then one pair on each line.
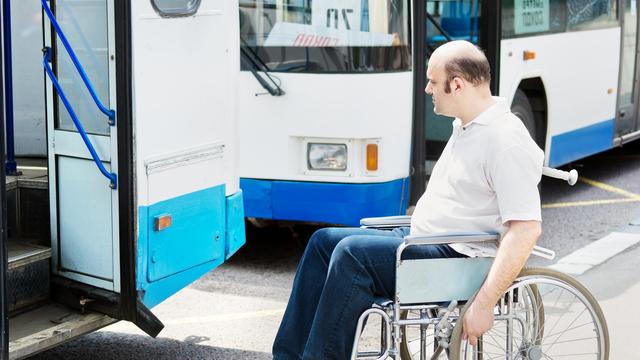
x,y
334,203
579,143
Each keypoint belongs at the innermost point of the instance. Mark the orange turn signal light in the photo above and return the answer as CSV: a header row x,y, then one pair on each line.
x,y
528,55
372,157
162,222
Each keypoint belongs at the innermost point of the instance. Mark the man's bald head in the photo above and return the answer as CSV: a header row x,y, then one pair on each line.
x,y
464,60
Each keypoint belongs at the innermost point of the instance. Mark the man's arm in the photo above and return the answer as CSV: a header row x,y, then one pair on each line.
x,y
513,252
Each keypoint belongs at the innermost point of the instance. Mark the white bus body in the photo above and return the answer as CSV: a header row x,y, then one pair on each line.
x,y
139,195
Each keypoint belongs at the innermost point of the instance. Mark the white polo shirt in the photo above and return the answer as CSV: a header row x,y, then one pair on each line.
x,y
487,175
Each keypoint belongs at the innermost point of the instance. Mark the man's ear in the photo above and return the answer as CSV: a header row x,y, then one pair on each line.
x,y
457,84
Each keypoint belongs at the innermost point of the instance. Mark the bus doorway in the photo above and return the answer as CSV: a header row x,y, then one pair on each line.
x,y
627,119
471,20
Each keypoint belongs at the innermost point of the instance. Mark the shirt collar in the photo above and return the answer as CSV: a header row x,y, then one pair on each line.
x,y
485,117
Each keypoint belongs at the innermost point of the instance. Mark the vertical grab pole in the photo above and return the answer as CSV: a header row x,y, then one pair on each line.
x,y
11,166
4,307
418,173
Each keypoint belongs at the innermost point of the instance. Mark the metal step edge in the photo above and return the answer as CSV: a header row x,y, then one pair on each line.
x,y
22,255
11,183
46,339
40,183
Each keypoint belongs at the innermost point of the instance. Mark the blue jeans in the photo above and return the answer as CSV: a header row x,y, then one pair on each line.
x,y
339,275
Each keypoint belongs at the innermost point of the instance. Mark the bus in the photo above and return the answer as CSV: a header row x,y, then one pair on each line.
x,y
330,144
138,194
334,120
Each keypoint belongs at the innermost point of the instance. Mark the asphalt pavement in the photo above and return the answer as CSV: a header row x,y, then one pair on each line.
x,y
234,311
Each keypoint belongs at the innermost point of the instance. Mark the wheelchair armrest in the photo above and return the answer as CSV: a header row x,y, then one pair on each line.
x,y
451,238
386,222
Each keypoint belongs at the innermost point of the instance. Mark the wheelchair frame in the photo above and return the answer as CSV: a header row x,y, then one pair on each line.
x,y
458,279
406,291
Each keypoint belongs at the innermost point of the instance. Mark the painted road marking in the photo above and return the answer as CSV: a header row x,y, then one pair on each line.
x,y
581,260
587,203
628,196
610,188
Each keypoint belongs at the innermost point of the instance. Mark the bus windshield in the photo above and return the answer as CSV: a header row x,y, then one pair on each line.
x,y
327,36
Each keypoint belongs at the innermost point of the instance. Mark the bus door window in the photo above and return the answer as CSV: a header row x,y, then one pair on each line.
x,y
446,20
526,18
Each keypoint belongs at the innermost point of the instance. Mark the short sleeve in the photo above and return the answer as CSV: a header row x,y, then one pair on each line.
x,y
515,175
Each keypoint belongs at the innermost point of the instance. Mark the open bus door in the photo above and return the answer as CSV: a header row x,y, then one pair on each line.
x,y
143,191
4,316
627,122
88,95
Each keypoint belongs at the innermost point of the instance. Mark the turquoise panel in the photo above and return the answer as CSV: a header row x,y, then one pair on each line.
x,y
196,235
207,228
235,224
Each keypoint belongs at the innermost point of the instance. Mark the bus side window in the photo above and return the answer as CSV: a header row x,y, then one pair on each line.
x,y
531,17
583,14
175,8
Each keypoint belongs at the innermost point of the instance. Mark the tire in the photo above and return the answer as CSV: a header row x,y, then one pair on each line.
x,y
521,107
586,324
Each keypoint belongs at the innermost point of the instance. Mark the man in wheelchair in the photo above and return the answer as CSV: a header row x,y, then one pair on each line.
x,y
485,180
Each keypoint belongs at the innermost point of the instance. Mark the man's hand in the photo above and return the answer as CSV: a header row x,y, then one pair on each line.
x,y
476,321
514,249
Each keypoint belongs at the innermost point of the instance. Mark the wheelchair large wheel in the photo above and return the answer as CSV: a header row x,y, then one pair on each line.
x,y
418,341
573,327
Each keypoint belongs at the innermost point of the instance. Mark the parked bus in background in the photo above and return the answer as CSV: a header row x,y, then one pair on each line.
x,y
568,68
138,195
328,140
334,121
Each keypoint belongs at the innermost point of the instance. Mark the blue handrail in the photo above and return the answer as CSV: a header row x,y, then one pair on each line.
x,y
111,176
110,113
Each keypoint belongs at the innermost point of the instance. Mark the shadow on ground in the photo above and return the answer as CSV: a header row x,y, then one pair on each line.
x,y
264,266
110,345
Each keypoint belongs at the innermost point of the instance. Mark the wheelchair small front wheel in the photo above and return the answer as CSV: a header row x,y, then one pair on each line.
x,y
419,341
545,314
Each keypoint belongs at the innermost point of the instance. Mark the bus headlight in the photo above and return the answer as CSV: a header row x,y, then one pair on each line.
x,y
327,156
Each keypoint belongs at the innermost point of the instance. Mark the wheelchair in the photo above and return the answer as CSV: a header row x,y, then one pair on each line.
x,y
544,314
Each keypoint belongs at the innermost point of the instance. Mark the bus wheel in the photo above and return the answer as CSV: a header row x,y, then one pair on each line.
x,y
522,109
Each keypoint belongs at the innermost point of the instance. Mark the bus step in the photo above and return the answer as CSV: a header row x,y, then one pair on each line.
x,y
28,206
44,327
28,275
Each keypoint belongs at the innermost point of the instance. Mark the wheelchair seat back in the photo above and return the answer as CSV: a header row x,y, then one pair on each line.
x,y
440,280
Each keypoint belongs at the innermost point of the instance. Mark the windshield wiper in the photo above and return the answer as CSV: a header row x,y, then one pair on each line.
x,y
250,59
